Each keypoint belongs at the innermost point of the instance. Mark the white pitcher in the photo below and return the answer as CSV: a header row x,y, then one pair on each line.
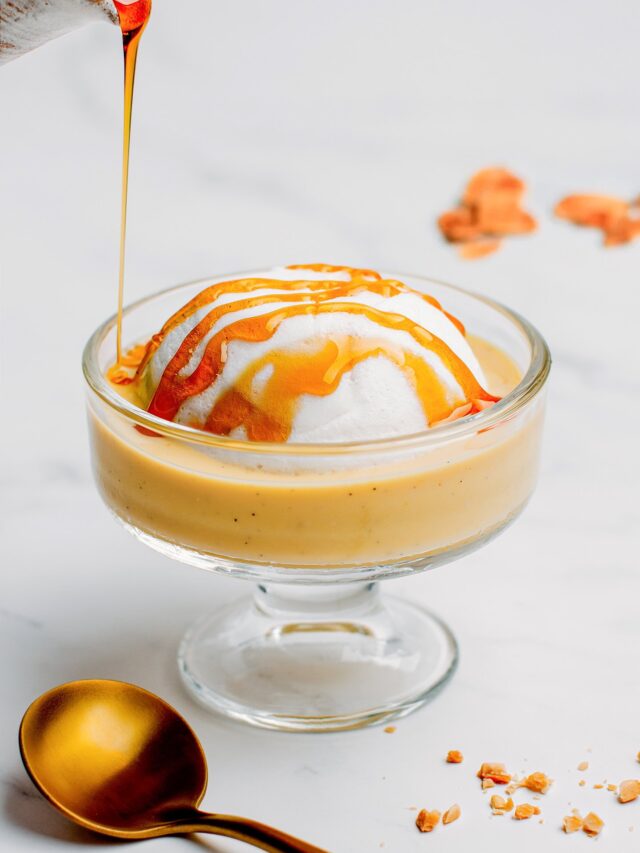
x,y
26,24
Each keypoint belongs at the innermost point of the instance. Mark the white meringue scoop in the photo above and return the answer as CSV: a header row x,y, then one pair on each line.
x,y
314,353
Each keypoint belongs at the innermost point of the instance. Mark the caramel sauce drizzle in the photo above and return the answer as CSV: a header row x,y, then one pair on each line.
x,y
360,280
316,370
133,18
322,369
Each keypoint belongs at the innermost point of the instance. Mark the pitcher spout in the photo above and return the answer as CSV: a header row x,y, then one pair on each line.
x,y
27,24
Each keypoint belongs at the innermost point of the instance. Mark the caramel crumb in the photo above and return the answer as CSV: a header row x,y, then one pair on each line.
x,y
598,786
611,215
495,772
629,790
454,756
499,805
538,782
118,377
571,823
584,765
451,814
123,373
490,209
638,757
488,783
390,729
478,249
612,787
524,811
427,821
592,824
582,783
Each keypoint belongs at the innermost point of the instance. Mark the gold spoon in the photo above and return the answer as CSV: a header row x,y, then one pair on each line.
x,y
120,761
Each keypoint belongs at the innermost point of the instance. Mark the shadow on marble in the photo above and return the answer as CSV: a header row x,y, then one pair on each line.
x,y
26,808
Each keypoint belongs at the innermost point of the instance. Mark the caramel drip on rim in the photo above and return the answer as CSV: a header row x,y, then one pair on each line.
x,y
122,372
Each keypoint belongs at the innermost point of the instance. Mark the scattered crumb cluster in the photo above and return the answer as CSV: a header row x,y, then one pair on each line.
x,y
490,209
619,220
494,773
427,821
591,824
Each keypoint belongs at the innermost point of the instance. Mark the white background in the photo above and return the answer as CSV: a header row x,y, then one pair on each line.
x,y
303,131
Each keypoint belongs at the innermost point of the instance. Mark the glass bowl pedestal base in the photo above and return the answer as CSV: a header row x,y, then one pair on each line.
x,y
320,657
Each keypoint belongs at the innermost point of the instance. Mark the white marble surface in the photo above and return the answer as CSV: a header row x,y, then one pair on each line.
x,y
334,131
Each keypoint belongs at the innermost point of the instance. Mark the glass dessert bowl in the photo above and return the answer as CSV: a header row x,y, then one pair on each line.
x,y
317,524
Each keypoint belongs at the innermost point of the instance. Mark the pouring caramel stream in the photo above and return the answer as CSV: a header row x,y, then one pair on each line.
x,y
133,19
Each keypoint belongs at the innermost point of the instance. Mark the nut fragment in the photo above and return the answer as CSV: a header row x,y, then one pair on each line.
x,y
488,783
571,823
592,824
595,211
478,249
389,729
451,814
495,772
538,782
454,756
611,215
524,811
490,209
584,765
427,821
499,805
629,790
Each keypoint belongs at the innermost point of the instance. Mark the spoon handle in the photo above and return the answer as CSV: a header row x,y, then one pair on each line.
x,y
242,829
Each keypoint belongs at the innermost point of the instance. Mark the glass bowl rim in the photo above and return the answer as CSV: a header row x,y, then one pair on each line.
x,y
530,384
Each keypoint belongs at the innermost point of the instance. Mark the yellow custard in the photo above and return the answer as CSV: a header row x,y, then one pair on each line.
x,y
319,511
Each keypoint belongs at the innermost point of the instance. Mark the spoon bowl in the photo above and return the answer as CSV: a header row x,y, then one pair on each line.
x,y
118,760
